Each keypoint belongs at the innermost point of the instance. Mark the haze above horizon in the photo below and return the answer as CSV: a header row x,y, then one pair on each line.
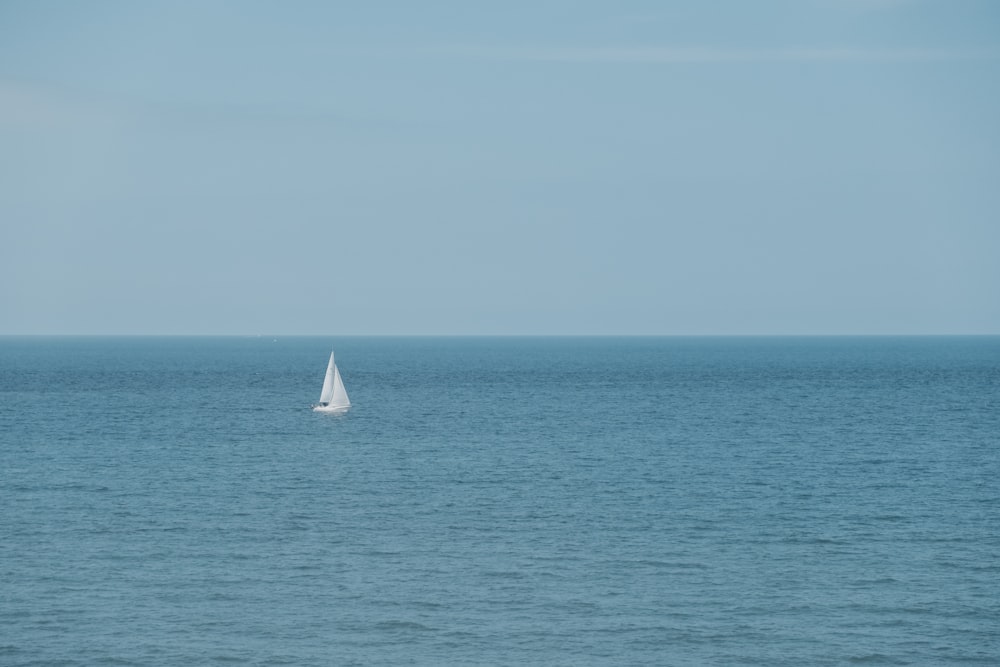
x,y
815,167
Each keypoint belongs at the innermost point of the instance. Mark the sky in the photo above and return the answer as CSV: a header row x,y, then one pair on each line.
x,y
543,167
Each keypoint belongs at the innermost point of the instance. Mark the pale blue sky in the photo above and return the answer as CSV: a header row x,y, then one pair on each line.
x,y
543,167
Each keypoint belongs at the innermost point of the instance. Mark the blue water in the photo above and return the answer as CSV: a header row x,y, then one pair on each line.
x,y
500,501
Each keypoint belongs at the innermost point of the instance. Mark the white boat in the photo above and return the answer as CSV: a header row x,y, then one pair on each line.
x,y
333,398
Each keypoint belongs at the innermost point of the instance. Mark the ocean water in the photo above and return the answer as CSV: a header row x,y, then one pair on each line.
x,y
500,501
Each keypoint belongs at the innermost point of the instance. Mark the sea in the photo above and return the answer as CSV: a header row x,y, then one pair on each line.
x,y
500,501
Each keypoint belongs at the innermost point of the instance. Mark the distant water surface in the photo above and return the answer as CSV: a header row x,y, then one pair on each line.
x,y
500,501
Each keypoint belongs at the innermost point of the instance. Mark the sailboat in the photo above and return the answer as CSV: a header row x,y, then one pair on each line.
x,y
333,398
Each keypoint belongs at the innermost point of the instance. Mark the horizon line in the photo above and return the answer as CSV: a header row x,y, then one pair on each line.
x,y
499,335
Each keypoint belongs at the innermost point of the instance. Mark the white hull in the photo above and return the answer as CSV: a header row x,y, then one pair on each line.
x,y
331,409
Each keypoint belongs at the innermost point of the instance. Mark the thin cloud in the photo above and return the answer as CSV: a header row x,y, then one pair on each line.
x,y
35,106
862,6
708,55
23,106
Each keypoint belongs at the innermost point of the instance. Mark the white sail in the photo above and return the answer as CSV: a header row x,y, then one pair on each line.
x,y
333,396
327,392
339,398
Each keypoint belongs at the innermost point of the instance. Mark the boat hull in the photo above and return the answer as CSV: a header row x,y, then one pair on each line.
x,y
331,409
